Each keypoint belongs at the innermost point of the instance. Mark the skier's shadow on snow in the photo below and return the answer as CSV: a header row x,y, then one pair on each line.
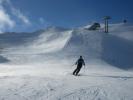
x,y
108,76
120,77
117,51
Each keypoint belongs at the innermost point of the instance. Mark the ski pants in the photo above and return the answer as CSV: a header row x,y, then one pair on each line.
x,y
77,70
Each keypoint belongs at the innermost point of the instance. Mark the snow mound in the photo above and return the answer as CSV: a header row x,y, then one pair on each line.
x,y
115,48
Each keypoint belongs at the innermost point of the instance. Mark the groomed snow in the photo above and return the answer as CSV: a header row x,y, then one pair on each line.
x,y
39,65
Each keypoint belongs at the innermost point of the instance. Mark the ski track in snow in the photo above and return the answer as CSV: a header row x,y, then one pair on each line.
x,y
88,86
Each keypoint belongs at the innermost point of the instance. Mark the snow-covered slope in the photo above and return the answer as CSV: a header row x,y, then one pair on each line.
x,y
115,48
38,65
122,30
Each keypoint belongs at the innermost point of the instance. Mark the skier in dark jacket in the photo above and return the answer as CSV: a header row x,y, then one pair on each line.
x,y
80,62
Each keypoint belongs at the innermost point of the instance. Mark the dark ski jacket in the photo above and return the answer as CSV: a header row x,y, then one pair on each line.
x,y
80,62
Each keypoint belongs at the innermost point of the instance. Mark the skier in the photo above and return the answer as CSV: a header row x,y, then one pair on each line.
x,y
80,62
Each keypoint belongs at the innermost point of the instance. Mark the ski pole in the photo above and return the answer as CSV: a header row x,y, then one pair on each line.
x,y
73,64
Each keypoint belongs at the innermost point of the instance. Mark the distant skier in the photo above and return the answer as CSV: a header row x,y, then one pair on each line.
x,y
80,62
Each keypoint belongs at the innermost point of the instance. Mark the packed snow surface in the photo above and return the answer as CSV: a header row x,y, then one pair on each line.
x,y
39,65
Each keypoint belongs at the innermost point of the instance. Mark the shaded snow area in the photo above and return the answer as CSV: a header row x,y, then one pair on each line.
x,y
39,65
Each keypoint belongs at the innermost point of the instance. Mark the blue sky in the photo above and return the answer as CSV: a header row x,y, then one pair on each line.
x,y
29,15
